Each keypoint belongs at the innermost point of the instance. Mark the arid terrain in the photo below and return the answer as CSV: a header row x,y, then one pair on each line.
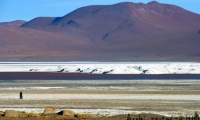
x,y
103,97
16,23
125,61
121,32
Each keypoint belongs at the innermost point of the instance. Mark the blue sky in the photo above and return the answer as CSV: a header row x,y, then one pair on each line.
x,y
28,9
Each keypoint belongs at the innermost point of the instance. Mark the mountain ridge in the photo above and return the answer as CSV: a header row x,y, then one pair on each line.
x,y
123,31
16,23
73,20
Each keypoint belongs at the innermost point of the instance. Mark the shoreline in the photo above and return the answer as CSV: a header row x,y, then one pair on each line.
x,y
85,76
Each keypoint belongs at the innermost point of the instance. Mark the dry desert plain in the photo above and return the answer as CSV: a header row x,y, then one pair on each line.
x,y
100,90
103,98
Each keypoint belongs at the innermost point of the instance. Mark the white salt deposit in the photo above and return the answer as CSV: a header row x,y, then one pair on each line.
x,y
106,68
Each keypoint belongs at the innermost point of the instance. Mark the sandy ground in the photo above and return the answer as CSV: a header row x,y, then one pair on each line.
x,y
175,97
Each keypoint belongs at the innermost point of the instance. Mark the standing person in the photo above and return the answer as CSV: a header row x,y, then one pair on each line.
x,y
20,95
129,117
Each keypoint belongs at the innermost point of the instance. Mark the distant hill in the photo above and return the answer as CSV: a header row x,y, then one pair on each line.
x,y
39,23
122,22
16,23
120,32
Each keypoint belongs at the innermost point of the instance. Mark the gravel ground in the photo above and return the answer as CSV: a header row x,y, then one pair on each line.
x,y
156,97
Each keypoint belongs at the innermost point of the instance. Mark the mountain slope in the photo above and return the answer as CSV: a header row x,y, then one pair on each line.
x,y
39,23
120,32
16,23
22,43
127,22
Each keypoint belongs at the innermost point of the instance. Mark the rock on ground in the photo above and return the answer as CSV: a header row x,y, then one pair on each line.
x,y
67,113
49,110
11,113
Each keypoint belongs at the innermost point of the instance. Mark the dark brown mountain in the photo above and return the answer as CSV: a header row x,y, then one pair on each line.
x,y
16,23
125,31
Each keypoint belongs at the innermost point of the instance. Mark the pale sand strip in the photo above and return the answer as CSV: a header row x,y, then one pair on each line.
x,y
101,96
93,91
